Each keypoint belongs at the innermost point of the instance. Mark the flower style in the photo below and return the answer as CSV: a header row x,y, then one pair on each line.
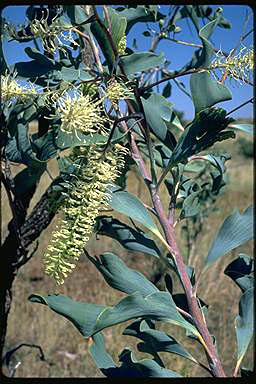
x,y
238,67
80,113
117,91
11,89
81,209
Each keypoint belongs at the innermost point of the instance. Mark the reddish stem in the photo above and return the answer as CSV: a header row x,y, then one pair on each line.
x,y
194,309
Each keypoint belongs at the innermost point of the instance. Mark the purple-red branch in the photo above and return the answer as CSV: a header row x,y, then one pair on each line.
x,y
194,309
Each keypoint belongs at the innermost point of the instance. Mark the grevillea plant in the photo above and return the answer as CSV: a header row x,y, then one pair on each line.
x,y
98,99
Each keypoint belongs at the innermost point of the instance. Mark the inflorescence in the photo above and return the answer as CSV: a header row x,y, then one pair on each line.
x,y
80,113
237,67
11,90
52,34
81,209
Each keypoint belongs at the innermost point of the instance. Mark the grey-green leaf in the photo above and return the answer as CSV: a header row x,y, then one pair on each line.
x,y
99,354
206,91
129,205
82,315
244,323
139,14
90,319
141,61
236,230
190,206
65,140
121,277
131,367
241,271
127,236
157,109
155,341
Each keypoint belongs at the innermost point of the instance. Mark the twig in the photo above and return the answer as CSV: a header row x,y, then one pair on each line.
x,y
93,48
240,106
172,76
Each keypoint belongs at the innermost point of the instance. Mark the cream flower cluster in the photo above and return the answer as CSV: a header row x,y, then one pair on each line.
x,y
80,113
117,91
11,89
50,34
81,209
238,67
122,46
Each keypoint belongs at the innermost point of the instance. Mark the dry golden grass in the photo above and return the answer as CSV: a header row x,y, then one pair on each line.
x,y
66,351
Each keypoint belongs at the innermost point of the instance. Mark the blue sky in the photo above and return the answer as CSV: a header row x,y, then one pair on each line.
x,y
178,55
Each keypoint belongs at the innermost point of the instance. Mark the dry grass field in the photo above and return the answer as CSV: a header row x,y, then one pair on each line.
x,y
66,351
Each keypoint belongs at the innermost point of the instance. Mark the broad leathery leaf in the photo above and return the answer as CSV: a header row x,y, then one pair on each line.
x,y
204,34
248,128
26,180
15,117
141,61
71,74
235,231
121,277
202,56
217,161
131,367
244,323
33,53
204,12
139,14
76,14
155,341
20,149
167,90
206,91
90,319
157,109
190,206
82,315
30,114
174,122
162,154
127,236
156,306
45,146
118,26
241,271
136,328
65,140
11,151
129,205
31,69
201,133
153,9
190,10
196,166
99,354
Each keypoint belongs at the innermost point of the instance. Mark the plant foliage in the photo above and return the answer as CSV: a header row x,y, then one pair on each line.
x,y
78,78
